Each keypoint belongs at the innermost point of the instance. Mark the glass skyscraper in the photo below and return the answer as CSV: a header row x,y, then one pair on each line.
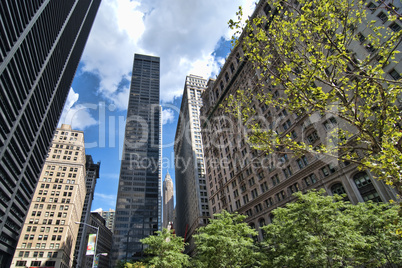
x,y
138,206
41,43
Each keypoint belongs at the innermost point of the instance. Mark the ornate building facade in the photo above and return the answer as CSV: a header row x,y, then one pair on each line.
x,y
250,182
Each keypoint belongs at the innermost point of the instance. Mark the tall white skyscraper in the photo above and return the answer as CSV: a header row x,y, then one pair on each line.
x,y
168,201
191,192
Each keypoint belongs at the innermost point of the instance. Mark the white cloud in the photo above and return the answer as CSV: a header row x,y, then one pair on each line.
x,y
183,33
167,116
109,199
72,98
77,115
110,48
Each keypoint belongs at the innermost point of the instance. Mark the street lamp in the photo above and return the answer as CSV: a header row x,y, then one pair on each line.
x,y
97,257
96,240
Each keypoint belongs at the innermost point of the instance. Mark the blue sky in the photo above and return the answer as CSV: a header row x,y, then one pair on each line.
x,y
190,37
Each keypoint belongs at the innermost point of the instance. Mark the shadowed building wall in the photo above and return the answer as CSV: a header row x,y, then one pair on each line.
x,y
40,47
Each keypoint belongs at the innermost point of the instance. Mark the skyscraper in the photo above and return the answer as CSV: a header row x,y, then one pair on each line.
x,y
40,47
192,209
109,216
104,244
49,234
92,174
138,205
168,200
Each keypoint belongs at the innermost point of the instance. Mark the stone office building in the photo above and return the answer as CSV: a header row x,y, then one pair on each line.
x,y
49,234
247,181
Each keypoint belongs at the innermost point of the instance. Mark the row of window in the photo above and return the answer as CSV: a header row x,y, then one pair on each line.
x,y
361,180
39,263
60,168
66,133
44,229
42,237
41,245
46,221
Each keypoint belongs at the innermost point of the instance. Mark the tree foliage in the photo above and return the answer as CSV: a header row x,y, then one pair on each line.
x,y
226,242
130,264
167,250
306,49
326,231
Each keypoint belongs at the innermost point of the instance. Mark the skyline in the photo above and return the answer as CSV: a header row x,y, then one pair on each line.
x,y
97,101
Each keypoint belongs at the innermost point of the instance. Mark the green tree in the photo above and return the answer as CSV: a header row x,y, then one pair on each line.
x,y
377,224
167,250
326,231
306,50
226,242
130,264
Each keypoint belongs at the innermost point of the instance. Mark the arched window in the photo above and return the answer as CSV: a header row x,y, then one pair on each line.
x,y
337,188
366,187
261,223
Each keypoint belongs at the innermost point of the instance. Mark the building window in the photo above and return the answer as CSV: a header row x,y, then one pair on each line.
x,y
286,125
264,187
268,202
372,6
383,17
302,162
287,171
254,193
238,205
312,137
366,188
232,68
330,123
245,199
280,196
328,170
310,179
338,189
284,158
294,188
258,208
395,27
275,179
237,58
361,37
35,263
394,74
